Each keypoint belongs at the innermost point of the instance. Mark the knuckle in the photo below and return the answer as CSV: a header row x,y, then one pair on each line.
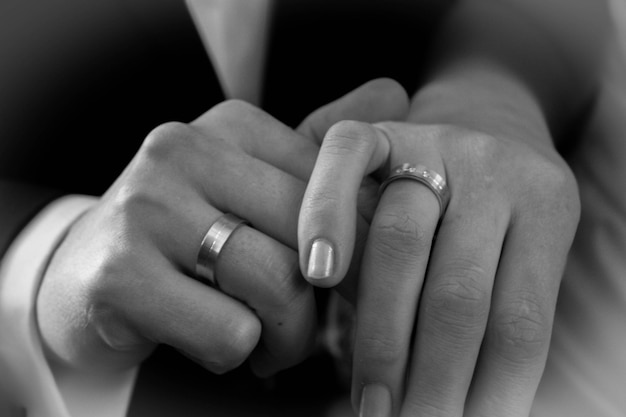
x,y
398,235
387,87
379,351
482,145
106,286
106,278
320,201
232,108
135,204
552,192
113,331
165,139
231,123
522,331
551,177
460,299
481,149
349,136
289,286
233,115
433,405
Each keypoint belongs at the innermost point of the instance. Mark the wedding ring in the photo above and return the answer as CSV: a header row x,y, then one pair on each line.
x,y
435,182
212,245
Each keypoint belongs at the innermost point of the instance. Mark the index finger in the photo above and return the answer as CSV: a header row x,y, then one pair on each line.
x,y
328,216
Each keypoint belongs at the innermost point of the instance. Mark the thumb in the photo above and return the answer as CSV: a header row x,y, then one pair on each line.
x,y
382,99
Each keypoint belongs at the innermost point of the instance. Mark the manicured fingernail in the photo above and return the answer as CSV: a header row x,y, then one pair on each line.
x,y
375,401
321,260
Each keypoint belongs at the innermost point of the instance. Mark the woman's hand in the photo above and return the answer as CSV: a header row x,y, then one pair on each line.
x,y
454,312
122,280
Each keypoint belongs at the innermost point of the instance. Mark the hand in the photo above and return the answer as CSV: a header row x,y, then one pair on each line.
x,y
122,280
460,324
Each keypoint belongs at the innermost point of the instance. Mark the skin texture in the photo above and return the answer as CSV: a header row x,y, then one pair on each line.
x,y
122,279
455,326
487,285
460,325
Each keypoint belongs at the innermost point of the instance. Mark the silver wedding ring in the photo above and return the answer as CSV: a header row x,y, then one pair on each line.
x,y
212,245
428,177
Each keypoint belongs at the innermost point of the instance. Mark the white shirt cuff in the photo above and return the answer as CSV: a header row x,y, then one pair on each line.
x,y
31,381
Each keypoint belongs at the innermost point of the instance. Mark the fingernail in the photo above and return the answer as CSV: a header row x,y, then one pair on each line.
x,y
375,401
321,260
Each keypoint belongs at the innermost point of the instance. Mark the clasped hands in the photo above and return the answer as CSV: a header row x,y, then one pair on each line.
x,y
453,312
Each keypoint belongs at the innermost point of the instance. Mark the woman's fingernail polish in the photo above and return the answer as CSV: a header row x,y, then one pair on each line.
x,y
375,401
321,260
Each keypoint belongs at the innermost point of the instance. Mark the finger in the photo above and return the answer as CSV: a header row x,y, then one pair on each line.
x,y
269,140
266,196
328,216
375,101
260,270
263,273
284,147
454,307
267,279
393,269
210,327
213,171
378,100
518,333
260,135
264,138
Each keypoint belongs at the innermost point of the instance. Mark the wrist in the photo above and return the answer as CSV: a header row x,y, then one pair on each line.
x,y
481,96
555,58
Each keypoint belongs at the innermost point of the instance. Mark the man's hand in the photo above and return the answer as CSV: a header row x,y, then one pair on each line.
x,y
122,280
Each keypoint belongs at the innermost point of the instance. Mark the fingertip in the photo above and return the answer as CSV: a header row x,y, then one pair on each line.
x,y
321,268
390,95
212,328
239,342
349,141
375,401
328,215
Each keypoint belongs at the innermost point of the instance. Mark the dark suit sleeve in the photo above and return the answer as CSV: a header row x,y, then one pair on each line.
x,y
81,85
